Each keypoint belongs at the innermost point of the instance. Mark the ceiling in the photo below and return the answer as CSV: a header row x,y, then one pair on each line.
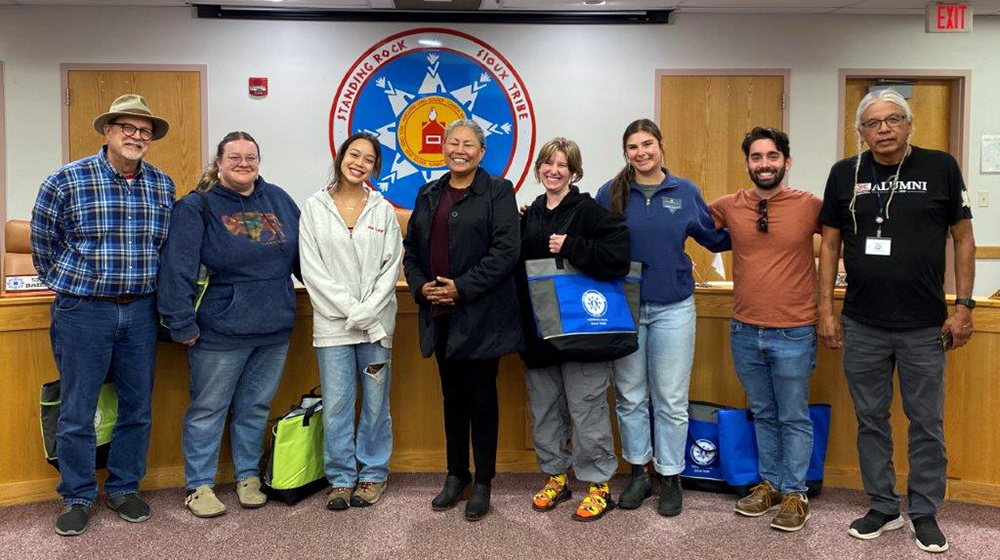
x,y
846,7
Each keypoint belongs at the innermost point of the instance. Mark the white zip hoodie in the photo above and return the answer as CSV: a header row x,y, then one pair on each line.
x,y
351,277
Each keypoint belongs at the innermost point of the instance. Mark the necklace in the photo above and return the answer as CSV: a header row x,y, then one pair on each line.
x,y
341,199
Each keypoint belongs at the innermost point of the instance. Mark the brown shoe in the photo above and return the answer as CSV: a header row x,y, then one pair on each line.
x,y
339,499
793,514
367,494
762,499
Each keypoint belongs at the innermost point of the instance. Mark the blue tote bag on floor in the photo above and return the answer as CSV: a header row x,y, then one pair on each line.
x,y
722,449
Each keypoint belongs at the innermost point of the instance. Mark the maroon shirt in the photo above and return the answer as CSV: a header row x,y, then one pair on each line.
x,y
439,239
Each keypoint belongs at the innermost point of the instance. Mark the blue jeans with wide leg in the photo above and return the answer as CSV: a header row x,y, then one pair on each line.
x,y
774,366
243,380
659,372
347,458
91,339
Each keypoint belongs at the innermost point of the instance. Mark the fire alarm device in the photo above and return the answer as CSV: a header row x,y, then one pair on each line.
x,y
258,87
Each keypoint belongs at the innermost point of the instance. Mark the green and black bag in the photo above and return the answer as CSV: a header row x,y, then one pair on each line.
x,y
295,467
105,419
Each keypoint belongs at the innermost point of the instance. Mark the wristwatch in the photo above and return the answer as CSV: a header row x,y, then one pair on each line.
x,y
968,302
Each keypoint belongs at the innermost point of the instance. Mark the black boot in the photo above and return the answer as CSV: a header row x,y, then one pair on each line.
x,y
479,502
454,490
639,488
670,496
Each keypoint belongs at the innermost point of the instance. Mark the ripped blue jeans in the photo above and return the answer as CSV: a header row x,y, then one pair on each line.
x,y
350,459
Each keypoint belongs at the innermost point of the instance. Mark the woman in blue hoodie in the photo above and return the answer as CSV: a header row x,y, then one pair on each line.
x,y
661,212
244,230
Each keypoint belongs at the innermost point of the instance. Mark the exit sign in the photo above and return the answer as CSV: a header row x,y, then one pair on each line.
x,y
949,18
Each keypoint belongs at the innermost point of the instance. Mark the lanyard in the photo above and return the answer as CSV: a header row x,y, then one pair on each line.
x,y
883,209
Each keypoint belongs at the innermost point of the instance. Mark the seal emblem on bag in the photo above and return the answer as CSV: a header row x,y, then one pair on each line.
x,y
409,87
704,452
594,303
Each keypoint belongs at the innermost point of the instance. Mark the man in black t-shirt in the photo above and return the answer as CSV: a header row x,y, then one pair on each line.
x,y
893,207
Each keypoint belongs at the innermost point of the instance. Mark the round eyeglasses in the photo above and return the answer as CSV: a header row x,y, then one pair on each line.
x,y
130,131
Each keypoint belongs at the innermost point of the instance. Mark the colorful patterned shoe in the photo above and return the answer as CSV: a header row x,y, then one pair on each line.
x,y
596,504
554,492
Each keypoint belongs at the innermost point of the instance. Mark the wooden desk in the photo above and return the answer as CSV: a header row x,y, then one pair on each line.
x,y
972,418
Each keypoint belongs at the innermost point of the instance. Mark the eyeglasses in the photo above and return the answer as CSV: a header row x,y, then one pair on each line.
x,y
236,159
871,125
762,220
130,130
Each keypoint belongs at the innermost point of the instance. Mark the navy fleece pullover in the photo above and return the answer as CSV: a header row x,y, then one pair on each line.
x,y
658,228
251,248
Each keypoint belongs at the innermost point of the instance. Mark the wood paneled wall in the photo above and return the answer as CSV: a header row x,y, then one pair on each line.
x,y
972,419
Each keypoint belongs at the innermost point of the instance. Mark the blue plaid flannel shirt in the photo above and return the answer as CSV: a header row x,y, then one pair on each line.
x,y
94,235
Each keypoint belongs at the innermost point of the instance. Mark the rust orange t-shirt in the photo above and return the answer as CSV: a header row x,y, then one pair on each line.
x,y
774,274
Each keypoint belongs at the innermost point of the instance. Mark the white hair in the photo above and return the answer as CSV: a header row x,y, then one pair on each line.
x,y
888,94
891,96
471,125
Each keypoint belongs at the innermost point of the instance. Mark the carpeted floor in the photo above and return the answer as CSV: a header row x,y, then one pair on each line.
x,y
403,526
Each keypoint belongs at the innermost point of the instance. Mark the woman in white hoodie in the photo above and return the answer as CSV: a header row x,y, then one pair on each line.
x,y
350,247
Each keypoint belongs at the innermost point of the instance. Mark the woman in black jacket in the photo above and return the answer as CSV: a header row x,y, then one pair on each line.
x,y
461,247
566,223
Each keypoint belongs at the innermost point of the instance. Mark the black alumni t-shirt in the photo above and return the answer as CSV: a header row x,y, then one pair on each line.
x,y
906,288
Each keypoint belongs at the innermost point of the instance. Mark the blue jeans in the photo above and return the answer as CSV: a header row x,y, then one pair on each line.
x,y
366,458
245,380
90,339
660,371
774,366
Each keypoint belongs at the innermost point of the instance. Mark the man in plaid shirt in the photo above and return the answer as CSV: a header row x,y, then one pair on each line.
x,y
96,231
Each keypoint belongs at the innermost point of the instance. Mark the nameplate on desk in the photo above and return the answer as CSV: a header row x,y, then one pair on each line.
x,y
24,284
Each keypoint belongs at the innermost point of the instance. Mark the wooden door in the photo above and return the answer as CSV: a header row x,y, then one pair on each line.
x,y
173,95
704,119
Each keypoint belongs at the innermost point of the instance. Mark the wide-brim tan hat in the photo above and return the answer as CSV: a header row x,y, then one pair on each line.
x,y
132,105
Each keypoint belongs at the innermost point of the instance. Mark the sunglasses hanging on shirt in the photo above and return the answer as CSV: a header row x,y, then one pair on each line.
x,y
762,220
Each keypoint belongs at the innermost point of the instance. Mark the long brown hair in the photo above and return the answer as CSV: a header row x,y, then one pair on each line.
x,y
620,184
210,175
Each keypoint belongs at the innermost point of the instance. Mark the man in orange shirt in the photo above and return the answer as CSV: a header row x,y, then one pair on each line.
x,y
773,333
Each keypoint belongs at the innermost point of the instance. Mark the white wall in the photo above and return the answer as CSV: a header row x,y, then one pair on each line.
x,y
586,82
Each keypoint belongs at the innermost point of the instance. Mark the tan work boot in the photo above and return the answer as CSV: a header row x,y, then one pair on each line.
x,y
367,494
203,503
793,514
339,499
762,499
248,491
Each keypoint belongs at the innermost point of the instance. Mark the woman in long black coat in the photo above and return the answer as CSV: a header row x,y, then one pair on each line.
x,y
461,247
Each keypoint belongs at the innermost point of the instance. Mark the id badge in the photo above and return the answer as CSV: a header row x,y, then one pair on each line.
x,y
879,246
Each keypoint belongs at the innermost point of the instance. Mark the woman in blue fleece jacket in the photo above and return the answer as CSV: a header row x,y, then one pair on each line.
x,y
238,336
661,212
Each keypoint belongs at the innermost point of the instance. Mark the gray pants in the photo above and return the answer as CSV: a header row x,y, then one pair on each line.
x,y
870,354
578,392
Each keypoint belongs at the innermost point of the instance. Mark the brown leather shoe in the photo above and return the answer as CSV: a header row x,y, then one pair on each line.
x,y
367,494
762,499
339,499
793,514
